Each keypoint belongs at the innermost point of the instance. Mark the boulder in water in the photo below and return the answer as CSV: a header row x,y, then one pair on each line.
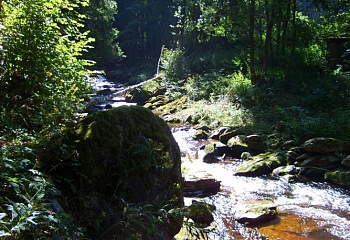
x,y
259,165
201,213
257,213
325,145
339,176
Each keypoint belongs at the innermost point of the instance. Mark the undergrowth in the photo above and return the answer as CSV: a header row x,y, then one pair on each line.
x,y
28,202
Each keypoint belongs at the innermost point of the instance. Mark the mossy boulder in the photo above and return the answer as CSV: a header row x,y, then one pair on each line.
x,y
201,213
339,176
137,95
325,145
173,106
260,165
256,213
316,166
237,145
128,155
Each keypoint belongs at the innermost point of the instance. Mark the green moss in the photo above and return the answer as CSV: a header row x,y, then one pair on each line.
x,y
127,155
261,164
127,143
237,141
340,176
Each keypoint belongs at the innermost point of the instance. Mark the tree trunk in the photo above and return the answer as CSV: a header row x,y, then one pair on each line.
x,y
291,61
285,28
268,39
252,42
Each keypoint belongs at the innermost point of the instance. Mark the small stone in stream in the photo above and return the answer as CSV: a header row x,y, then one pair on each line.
x,y
108,106
201,187
257,213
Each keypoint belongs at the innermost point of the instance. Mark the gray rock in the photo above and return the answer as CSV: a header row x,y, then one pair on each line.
x,y
255,214
324,145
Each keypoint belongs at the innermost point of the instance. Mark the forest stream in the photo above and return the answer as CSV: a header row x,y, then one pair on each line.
x,y
305,210
313,210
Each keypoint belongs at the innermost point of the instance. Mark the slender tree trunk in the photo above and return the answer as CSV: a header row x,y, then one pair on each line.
x,y
268,38
285,28
291,61
252,42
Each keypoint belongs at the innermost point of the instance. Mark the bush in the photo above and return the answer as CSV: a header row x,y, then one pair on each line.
x,y
27,196
41,73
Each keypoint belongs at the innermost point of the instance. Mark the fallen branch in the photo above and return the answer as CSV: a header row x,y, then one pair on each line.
x,y
134,86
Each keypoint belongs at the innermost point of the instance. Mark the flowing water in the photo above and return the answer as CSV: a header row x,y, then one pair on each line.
x,y
305,210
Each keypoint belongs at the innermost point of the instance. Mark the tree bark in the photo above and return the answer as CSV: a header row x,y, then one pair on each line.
x,y
252,42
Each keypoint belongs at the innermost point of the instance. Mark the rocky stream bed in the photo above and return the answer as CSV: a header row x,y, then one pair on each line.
x,y
296,208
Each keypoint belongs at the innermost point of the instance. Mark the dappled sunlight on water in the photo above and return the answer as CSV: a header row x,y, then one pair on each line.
x,y
305,210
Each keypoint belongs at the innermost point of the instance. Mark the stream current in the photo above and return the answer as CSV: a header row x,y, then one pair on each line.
x,y
305,210
315,211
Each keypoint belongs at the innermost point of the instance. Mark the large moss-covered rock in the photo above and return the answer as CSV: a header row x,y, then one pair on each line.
x,y
325,145
129,156
261,164
340,176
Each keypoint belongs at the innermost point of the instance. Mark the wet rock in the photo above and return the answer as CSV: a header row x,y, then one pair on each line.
x,y
339,176
201,188
200,134
210,158
156,101
173,106
288,173
230,134
137,95
284,170
253,138
216,152
322,161
259,165
325,145
237,145
216,135
256,144
201,213
237,140
317,166
255,214
304,157
108,106
221,151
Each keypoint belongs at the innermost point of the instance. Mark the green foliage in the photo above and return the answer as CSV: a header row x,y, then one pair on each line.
x,y
141,221
26,209
213,84
99,22
173,65
311,107
42,75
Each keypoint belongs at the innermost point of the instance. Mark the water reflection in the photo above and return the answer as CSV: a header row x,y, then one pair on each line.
x,y
306,210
